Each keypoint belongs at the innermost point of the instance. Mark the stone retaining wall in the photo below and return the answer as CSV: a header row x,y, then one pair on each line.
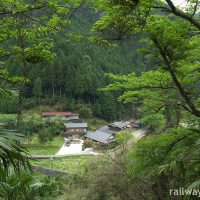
x,y
49,172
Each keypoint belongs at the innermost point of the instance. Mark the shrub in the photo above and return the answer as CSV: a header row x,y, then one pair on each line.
x,y
49,130
69,104
88,143
84,111
155,121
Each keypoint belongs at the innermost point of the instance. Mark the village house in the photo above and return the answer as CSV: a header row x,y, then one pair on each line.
x,y
118,126
75,130
99,136
64,116
106,134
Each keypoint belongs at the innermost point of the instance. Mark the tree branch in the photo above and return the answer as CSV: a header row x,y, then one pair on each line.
x,y
172,9
169,68
171,5
172,146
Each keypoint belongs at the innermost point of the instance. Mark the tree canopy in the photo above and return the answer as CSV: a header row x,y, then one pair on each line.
x,y
170,36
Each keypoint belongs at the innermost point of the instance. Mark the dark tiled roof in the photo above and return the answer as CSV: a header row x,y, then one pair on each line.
x,y
75,125
106,129
119,124
99,136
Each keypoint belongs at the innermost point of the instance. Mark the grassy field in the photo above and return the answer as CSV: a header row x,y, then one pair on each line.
x,y
57,141
42,150
34,147
76,164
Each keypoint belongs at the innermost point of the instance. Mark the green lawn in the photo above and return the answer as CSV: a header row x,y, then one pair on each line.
x,y
48,148
42,150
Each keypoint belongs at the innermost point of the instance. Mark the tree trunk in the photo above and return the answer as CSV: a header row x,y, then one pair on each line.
x,y
25,74
45,92
178,116
53,91
60,91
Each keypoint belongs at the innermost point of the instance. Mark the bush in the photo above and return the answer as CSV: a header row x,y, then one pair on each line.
x,y
26,186
32,124
58,108
84,111
155,121
88,143
102,180
43,136
49,130
69,104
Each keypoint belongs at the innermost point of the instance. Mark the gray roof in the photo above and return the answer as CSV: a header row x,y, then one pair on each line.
x,y
119,124
99,136
75,125
106,129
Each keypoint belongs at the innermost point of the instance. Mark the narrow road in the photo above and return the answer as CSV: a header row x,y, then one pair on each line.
x,y
62,156
136,135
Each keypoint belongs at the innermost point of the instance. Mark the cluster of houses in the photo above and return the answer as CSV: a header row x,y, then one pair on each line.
x,y
76,128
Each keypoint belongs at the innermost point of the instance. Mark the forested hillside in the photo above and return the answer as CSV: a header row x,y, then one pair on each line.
x,y
134,60
79,70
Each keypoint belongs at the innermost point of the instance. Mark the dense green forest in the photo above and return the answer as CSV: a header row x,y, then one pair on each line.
x,y
78,70
109,59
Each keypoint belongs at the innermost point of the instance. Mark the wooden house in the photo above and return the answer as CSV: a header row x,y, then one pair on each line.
x,y
64,116
118,126
75,130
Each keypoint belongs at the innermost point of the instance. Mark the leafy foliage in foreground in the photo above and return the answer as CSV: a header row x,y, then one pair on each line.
x,y
166,161
11,155
26,186
171,46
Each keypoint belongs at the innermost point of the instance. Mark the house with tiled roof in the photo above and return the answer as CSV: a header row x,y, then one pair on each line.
x,y
65,116
75,130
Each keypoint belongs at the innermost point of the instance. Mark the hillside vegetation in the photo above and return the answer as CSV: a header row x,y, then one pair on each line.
x,y
107,60
78,70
